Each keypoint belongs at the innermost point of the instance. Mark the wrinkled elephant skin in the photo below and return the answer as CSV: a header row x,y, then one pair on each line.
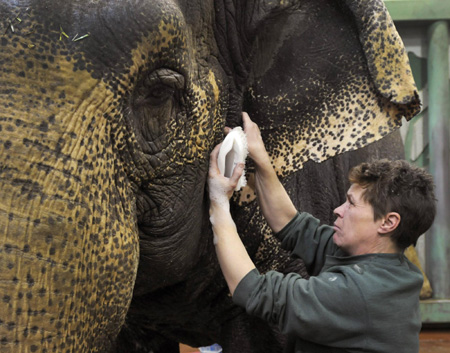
x,y
108,113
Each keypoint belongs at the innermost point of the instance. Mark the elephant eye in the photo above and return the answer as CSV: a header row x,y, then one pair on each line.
x,y
158,87
157,98
159,94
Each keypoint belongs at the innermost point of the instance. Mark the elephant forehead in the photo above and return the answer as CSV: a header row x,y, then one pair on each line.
x,y
106,31
52,108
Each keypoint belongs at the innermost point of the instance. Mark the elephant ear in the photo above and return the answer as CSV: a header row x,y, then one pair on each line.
x,y
386,56
324,77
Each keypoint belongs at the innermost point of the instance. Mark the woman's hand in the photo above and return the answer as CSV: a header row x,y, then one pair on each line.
x,y
221,188
256,149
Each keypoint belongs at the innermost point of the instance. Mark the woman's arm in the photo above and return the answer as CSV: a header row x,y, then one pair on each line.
x,y
231,253
273,199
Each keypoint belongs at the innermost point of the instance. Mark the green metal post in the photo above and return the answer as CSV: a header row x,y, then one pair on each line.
x,y
438,241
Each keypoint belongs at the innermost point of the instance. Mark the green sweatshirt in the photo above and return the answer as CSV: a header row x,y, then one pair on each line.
x,y
366,303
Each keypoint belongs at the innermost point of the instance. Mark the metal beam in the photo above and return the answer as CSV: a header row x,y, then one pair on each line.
x,y
416,10
435,311
437,243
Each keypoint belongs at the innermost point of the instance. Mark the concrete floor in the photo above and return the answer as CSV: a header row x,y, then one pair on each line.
x,y
431,341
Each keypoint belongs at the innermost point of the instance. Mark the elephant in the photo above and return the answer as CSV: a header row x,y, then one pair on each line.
x,y
108,113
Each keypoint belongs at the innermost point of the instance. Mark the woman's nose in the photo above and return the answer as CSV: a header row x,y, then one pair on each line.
x,y
339,211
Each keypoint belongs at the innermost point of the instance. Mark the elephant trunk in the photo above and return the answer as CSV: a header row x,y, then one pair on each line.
x,y
68,246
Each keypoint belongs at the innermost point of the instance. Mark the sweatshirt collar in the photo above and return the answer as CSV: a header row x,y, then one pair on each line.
x,y
340,259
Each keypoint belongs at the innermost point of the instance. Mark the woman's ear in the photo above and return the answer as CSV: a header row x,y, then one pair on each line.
x,y
390,223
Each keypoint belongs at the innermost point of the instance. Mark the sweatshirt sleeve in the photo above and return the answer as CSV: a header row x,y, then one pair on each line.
x,y
307,239
328,309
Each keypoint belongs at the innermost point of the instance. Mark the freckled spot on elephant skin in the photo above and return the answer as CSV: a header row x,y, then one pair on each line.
x,y
30,280
4,341
43,126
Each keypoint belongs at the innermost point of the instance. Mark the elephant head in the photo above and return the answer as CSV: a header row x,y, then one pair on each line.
x,y
108,113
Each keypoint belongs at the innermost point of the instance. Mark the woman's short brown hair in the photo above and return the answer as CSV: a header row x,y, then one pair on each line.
x,y
397,186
